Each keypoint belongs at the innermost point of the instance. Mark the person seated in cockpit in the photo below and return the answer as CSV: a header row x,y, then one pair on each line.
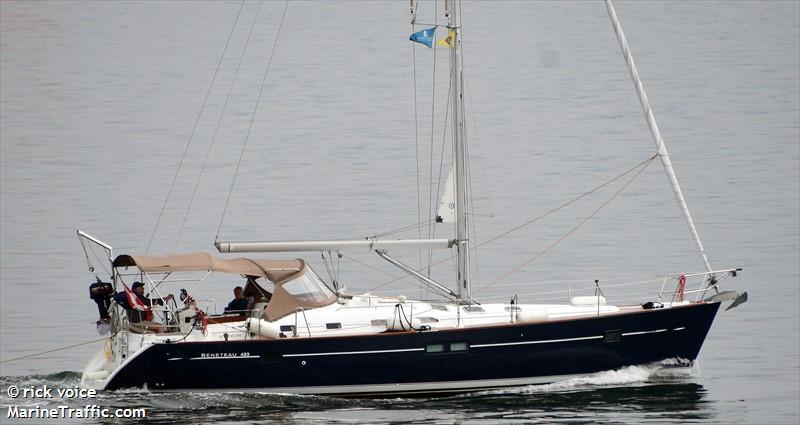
x,y
138,319
240,304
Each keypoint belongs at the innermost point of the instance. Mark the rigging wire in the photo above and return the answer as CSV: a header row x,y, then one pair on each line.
x,y
573,230
403,277
583,288
101,261
431,194
216,129
252,119
471,200
444,140
338,265
399,229
194,128
477,143
332,270
570,202
327,269
86,254
41,353
416,124
369,266
543,215
625,283
434,212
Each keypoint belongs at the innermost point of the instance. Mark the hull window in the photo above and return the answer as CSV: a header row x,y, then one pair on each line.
x,y
453,347
612,335
434,348
458,346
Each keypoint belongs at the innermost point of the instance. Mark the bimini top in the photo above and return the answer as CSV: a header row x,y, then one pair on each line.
x,y
273,270
296,284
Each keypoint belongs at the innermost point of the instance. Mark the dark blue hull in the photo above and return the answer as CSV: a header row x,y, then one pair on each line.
x,y
424,362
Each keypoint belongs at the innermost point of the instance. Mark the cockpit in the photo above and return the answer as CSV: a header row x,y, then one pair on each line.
x,y
273,289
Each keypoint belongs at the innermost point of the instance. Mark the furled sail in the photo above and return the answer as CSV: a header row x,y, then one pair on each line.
x,y
447,203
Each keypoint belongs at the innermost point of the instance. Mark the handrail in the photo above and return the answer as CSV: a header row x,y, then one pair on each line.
x,y
713,285
305,319
704,273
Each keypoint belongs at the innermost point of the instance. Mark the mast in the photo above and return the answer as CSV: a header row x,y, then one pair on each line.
x,y
459,152
655,133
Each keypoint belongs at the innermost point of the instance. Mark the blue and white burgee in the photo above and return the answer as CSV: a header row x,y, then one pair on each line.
x,y
424,37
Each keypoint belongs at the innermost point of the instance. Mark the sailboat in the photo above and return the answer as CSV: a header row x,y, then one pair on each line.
x,y
299,334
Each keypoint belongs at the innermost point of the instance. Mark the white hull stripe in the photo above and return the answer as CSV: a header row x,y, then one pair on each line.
x,y
544,341
345,353
644,332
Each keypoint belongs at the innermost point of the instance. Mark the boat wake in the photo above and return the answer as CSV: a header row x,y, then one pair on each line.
x,y
662,386
664,371
58,379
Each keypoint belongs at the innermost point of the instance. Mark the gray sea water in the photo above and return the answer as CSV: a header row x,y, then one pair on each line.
x,y
99,99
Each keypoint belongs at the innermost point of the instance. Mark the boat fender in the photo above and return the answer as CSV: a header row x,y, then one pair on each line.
x,y
588,301
96,375
263,328
397,324
400,321
532,316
